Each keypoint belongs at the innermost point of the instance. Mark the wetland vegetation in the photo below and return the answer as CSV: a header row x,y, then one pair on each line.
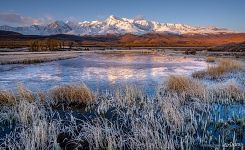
x,y
184,113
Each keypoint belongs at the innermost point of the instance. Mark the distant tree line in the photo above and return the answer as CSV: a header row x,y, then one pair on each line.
x,y
50,45
10,44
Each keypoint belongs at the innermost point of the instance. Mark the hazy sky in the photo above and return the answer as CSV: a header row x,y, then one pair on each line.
x,y
221,13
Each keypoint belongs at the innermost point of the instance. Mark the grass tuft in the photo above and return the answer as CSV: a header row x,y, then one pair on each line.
x,y
7,98
73,95
25,94
228,92
183,84
216,71
133,95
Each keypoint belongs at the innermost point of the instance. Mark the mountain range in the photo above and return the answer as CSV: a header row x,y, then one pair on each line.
x,y
113,25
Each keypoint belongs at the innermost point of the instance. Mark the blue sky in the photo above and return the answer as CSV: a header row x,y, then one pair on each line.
x,y
222,13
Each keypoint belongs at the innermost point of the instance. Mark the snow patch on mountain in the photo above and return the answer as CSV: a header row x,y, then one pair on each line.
x,y
113,25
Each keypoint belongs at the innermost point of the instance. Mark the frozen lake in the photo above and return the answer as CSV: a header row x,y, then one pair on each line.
x,y
99,71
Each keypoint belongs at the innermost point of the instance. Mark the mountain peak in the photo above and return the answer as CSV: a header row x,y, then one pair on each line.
x,y
57,24
113,18
114,25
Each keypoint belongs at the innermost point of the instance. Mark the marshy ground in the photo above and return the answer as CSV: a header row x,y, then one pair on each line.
x,y
204,110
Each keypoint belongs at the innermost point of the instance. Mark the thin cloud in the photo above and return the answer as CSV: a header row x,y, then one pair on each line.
x,y
17,19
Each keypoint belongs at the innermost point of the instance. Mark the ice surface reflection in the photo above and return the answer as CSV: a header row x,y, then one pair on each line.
x,y
99,71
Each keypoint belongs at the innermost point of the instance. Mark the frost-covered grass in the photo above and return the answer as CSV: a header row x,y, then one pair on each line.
x,y
185,113
184,85
35,57
218,70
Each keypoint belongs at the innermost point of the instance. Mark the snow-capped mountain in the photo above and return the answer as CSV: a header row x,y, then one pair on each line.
x,y
113,25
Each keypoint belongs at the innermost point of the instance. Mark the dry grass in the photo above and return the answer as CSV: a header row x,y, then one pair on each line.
x,y
35,57
41,96
169,106
178,83
183,84
73,95
233,91
7,98
223,67
34,131
133,95
227,93
129,96
210,59
199,74
216,71
230,65
22,94
154,125
25,94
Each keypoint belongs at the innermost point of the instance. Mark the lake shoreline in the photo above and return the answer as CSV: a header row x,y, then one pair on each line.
x,y
27,57
35,57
